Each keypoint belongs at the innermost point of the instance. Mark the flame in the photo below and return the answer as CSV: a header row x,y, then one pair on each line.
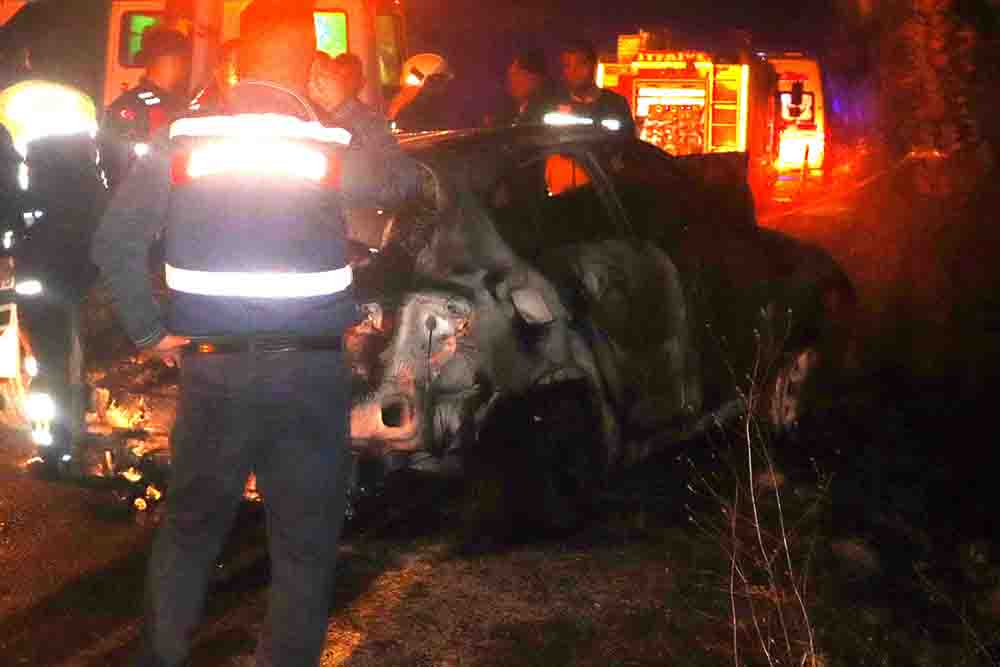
x,y
123,417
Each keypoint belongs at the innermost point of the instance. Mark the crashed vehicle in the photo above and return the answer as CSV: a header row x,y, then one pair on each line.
x,y
575,300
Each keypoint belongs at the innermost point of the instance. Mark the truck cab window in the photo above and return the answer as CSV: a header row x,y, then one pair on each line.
x,y
133,27
331,33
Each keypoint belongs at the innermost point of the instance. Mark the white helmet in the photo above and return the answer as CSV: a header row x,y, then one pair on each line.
x,y
417,69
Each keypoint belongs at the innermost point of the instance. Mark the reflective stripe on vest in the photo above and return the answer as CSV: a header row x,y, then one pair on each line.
x,y
254,126
259,285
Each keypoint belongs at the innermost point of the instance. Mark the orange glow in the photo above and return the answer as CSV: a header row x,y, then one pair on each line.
x,y
792,152
36,109
744,107
563,173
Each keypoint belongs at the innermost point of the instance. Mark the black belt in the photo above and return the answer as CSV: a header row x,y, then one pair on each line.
x,y
264,344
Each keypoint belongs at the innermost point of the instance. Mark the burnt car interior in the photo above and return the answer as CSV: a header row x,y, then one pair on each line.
x,y
548,203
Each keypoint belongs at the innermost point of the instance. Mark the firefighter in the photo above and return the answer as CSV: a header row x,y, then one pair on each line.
x,y
583,97
260,293
131,120
424,102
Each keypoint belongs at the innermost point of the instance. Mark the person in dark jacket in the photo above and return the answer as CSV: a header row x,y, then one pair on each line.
x,y
531,91
260,293
131,120
335,85
583,97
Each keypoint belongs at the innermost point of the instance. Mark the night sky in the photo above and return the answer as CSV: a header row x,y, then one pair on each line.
x,y
479,39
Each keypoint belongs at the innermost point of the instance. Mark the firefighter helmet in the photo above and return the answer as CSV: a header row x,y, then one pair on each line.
x,y
417,69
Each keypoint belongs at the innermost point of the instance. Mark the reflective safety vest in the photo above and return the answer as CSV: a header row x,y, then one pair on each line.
x,y
255,239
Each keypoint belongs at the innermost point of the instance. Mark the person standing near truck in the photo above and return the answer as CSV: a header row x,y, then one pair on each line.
x,y
250,204
583,97
131,120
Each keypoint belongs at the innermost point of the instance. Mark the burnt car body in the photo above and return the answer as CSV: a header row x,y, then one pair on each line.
x,y
575,295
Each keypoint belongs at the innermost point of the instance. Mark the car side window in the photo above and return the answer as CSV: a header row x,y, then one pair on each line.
x,y
651,189
548,203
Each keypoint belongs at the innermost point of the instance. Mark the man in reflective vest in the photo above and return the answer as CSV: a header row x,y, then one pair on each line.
x,y
132,119
250,205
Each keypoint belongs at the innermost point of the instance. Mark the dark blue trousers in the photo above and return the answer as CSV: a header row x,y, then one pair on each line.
x,y
282,415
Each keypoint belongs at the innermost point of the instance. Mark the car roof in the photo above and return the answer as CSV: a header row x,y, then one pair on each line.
x,y
477,156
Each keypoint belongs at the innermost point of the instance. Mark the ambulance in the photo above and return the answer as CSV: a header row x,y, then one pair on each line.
x,y
800,123
92,44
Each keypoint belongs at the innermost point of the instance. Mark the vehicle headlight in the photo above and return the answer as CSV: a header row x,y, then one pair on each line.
x,y
42,437
40,407
36,109
29,288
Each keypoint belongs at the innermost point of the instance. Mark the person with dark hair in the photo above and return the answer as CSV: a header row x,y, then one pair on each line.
x,y
132,119
334,86
583,96
531,91
260,293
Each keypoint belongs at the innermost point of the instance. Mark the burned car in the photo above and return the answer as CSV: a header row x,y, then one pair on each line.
x,y
574,298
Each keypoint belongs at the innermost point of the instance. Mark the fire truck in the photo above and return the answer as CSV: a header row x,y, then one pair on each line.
x,y
92,44
690,102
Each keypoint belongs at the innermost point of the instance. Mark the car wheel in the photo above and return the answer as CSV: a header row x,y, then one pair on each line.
x,y
537,462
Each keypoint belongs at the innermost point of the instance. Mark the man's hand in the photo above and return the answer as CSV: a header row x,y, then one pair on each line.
x,y
168,350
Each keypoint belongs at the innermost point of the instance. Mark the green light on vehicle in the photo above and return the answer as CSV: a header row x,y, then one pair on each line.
x,y
331,32
137,25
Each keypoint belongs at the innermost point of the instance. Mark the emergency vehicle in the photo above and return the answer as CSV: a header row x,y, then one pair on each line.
x,y
690,102
800,123
92,44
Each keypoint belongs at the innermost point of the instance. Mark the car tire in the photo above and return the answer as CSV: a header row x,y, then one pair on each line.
x,y
815,364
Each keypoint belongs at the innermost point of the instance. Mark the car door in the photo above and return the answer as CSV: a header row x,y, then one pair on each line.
x,y
556,210
694,209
